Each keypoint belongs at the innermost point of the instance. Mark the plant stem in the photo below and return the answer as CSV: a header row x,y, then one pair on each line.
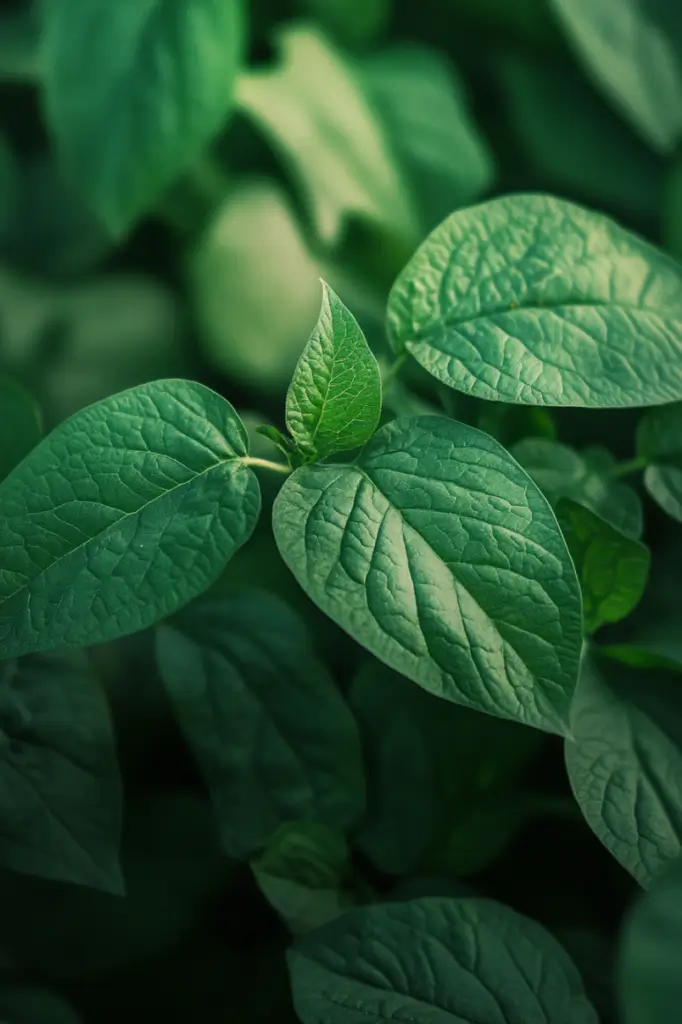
x,y
629,466
394,369
276,467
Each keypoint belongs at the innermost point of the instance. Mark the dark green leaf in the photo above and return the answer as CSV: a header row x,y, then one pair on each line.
x,y
633,51
273,737
60,809
20,1005
122,515
159,76
534,300
664,484
649,956
9,189
659,435
612,569
625,760
20,425
302,873
436,961
436,552
583,477
334,401
353,21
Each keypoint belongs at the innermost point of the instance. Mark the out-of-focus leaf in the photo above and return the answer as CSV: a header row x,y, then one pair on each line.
x,y
351,21
19,44
20,425
20,1005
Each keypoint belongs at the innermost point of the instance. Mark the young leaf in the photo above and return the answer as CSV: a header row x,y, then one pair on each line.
x,y
274,739
612,569
437,553
584,477
430,765
633,51
650,981
301,874
334,401
315,111
625,760
534,300
60,809
160,77
659,442
122,515
432,961
20,425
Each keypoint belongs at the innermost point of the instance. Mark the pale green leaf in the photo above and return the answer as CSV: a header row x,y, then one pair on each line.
x,y
154,83
437,553
334,401
313,108
60,803
625,760
20,425
121,515
436,961
273,736
612,568
632,49
534,300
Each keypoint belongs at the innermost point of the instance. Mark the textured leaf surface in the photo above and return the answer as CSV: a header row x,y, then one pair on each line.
x,y
334,401
121,515
429,765
612,569
60,803
584,477
633,51
160,76
534,300
625,761
273,736
649,956
436,551
315,111
20,425
436,961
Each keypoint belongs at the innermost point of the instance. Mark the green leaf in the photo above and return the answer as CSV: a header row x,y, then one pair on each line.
x,y
430,765
20,45
334,401
632,49
60,809
353,21
274,738
314,110
254,303
612,569
425,113
584,477
650,982
534,300
671,219
20,425
121,515
436,961
659,441
625,760
301,874
664,484
435,551
160,77
573,139
9,189
20,1005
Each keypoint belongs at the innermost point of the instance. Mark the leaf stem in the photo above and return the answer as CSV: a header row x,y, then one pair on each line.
x,y
629,466
394,369
276,467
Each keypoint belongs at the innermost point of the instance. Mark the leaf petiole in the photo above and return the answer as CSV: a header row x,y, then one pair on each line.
x,y
276,467
629,466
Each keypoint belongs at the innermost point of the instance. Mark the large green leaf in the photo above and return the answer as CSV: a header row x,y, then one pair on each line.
x,y
273,736
625,759
585,477
436,552
431,766
534,300
612,568
315,111
633,51
20,425
121,515
334,401
60,803
436,961
154,83
650,980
